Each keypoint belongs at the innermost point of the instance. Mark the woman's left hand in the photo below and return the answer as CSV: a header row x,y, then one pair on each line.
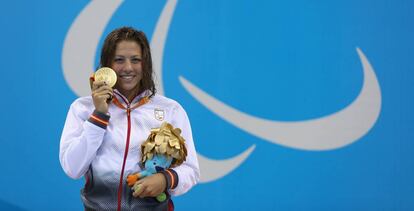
x,y
151,186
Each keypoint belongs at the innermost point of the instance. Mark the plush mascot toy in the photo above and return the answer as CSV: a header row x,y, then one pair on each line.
x,y
163,149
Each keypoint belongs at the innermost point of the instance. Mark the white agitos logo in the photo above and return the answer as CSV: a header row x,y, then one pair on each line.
x,y
324,133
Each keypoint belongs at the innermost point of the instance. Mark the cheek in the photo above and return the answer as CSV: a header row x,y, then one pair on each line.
x,y
116,68
138,69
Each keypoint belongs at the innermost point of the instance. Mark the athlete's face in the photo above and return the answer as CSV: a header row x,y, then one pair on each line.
x,y
127,64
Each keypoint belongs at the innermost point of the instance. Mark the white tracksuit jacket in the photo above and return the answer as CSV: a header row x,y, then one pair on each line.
x,y
99,146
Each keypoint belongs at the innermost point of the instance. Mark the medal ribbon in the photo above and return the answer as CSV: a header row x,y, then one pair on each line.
x,y
141,102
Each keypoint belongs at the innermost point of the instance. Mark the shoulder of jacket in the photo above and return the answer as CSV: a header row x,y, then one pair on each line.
x,y
164,101
82,102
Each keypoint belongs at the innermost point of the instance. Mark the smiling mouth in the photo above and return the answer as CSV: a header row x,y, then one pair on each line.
x,y
127,77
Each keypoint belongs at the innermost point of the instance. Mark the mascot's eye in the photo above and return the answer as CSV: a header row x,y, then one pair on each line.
x,y
155,163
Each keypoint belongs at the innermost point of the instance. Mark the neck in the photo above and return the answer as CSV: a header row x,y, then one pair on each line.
x,y
130,95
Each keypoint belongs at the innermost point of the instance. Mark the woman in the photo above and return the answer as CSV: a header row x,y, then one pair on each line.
x,y
102,134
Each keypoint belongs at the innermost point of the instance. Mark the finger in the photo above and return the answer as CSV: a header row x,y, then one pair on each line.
x,y
102,88
105,93
147,192
110,96
108,92
150,191
140,191
147,189
103,98
97,84
98,97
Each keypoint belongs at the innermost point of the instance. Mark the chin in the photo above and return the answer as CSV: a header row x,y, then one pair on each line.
x,y
127,87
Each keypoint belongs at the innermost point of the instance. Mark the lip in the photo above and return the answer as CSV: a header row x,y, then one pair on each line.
x,y
126,76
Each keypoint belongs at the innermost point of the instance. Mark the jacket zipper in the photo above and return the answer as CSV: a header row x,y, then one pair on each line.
x,y
121,180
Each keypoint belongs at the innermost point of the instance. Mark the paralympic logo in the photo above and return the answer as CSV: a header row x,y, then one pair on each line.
x,y
324,133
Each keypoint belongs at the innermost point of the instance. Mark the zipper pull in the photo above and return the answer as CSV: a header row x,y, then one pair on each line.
x,y
128,110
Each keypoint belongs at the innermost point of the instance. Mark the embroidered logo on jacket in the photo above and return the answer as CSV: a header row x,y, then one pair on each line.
x,y
159,114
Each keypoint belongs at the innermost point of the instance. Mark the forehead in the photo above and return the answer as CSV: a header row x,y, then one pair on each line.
x,y
128,48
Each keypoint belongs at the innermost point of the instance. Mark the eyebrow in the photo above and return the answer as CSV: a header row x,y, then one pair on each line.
x,y
134,56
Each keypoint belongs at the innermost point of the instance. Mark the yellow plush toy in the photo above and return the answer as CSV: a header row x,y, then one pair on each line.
x,y
164,148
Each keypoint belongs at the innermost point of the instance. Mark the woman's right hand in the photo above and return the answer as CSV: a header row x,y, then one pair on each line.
x,y
101,93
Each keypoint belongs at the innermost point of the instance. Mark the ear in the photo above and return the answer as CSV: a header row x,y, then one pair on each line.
x,y
158,168
141,165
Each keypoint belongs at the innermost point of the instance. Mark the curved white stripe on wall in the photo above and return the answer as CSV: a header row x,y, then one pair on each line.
x,y
323,133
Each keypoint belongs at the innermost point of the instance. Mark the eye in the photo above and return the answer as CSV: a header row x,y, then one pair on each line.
x,y
118,60
136,60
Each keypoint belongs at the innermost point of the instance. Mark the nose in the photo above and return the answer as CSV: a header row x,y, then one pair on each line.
x,y
128,65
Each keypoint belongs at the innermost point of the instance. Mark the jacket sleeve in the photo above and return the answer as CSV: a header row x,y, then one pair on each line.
x,y
188,173
82,135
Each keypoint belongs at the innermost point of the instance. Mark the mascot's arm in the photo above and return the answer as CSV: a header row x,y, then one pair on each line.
x,y
133,178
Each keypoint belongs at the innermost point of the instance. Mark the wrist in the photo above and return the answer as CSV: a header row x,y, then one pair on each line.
x,y
171,178
99,119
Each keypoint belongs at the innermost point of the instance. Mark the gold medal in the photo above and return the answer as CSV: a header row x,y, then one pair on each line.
x,y
106,74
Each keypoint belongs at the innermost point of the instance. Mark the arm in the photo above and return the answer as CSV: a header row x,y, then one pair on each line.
x,y
188,173
81,138
83,132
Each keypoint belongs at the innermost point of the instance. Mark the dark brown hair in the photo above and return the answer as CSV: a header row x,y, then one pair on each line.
x,y
130,34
